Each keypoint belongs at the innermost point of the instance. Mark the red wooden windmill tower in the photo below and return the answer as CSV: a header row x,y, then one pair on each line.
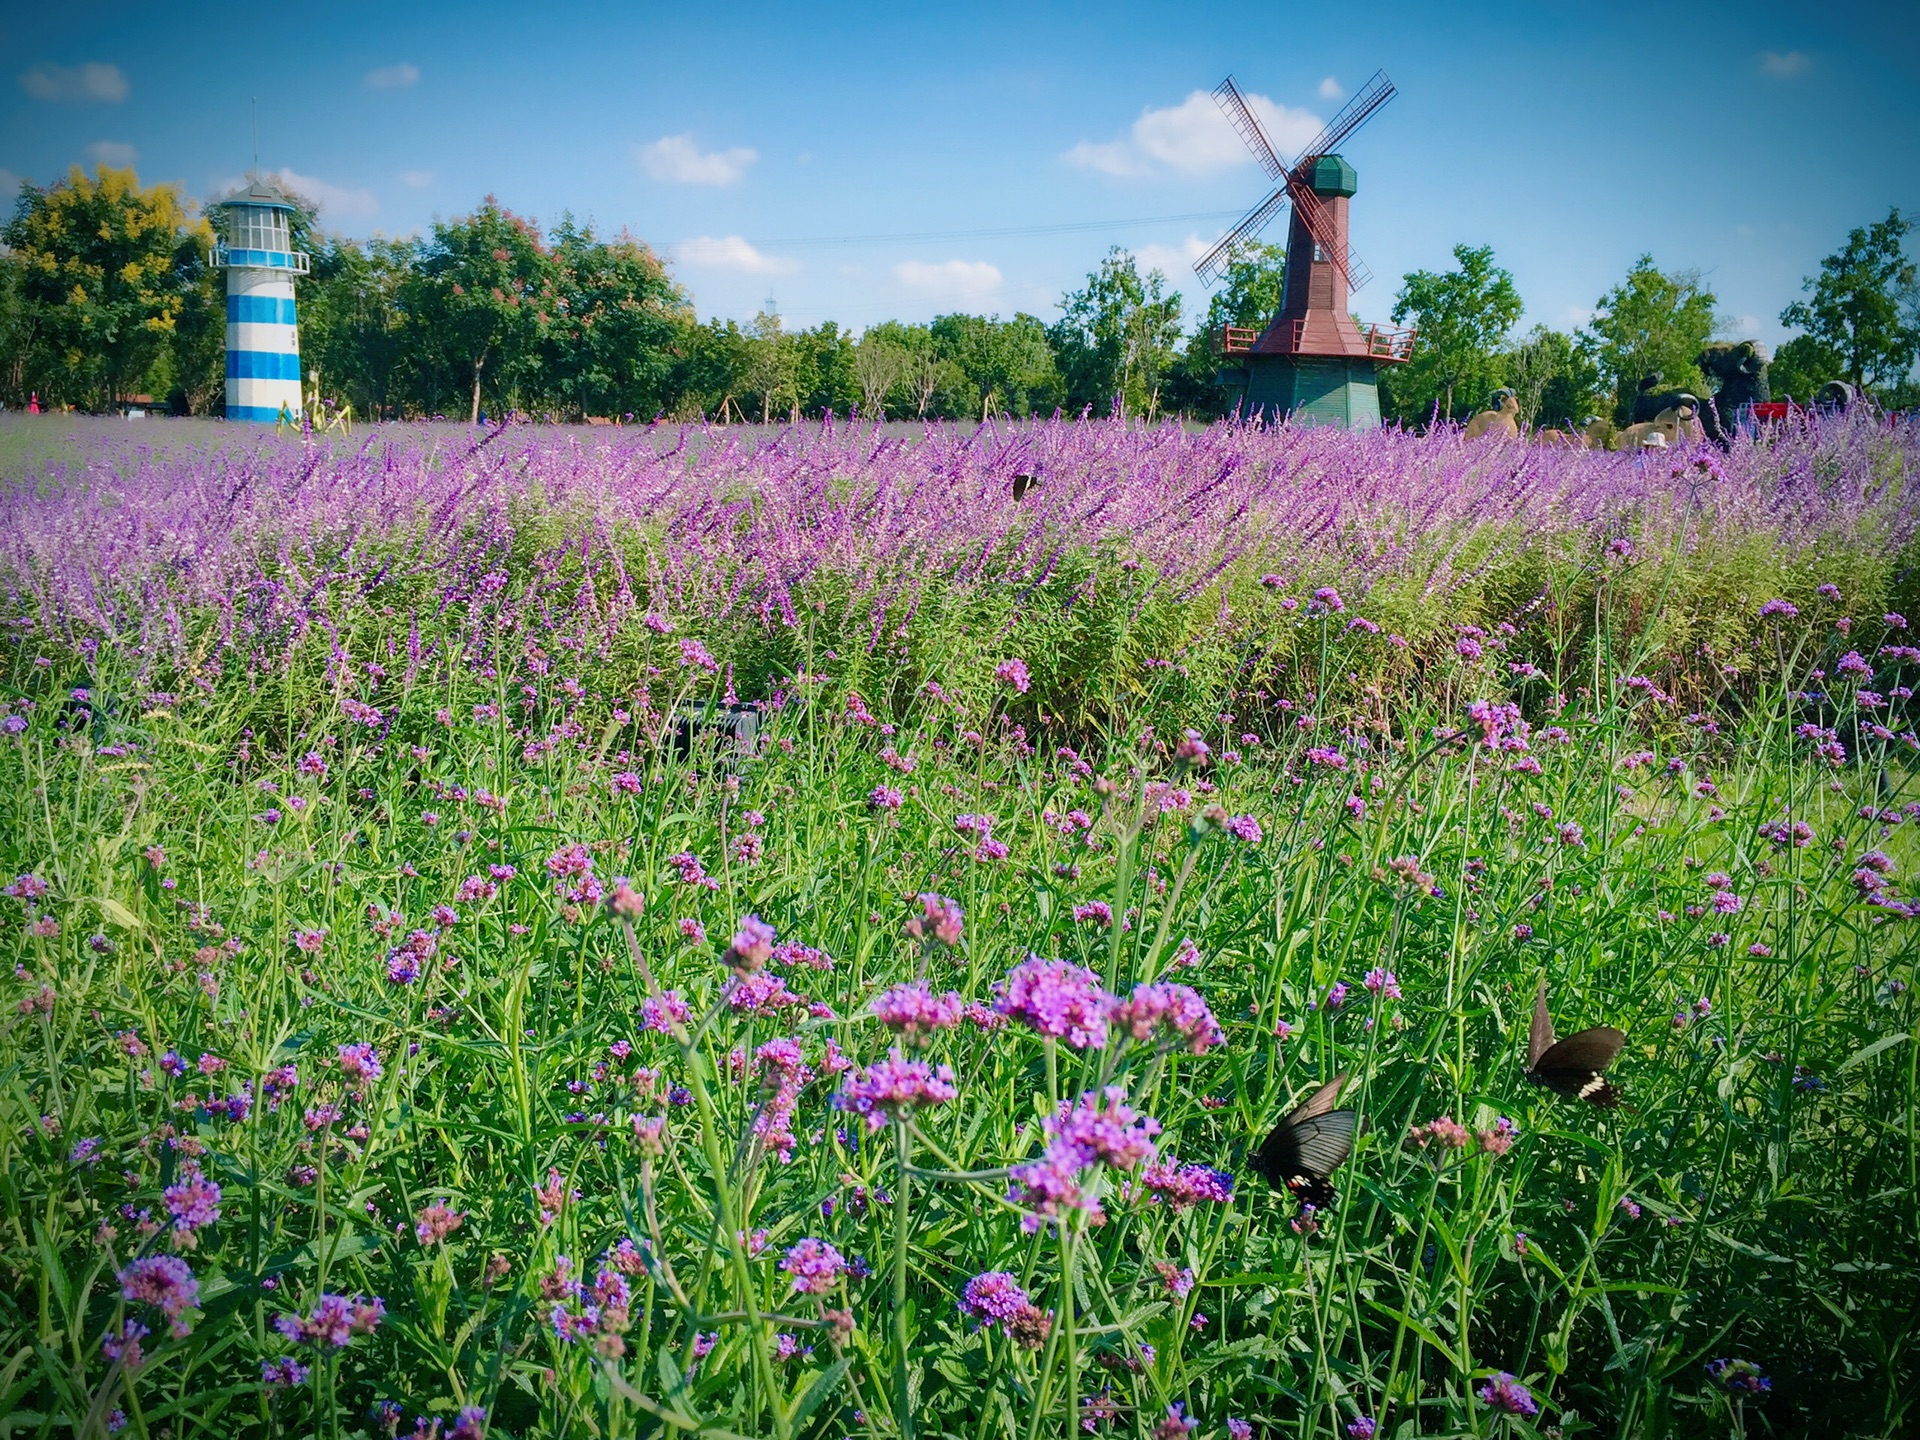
x,y
1312,362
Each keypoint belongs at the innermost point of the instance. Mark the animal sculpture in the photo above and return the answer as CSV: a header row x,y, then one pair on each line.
x,y
1741,369
1503,419
1672,426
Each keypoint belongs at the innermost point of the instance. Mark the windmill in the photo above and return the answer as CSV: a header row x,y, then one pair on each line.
x,y
1312,362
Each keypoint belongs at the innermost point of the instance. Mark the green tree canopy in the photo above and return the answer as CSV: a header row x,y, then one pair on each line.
x,y
105,271
1653,324
1115,340
609,348
1007,364
1249,299
481,300
1864,308
1554,377
1463,316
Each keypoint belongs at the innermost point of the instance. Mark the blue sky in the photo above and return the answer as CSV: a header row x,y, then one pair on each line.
x,y
1570,137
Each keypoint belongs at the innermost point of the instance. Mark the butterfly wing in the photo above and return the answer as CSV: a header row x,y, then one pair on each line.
x,y
1540,1037
1576,1066
1309,1145
1320,1101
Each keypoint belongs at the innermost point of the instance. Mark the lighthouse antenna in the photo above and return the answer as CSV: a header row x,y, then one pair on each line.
x,y
256,131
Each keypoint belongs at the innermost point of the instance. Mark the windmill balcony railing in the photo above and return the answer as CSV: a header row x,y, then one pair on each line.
x,y
1383,341
1386,343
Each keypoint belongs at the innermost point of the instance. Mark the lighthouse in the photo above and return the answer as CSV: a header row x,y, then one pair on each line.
x,y
263,333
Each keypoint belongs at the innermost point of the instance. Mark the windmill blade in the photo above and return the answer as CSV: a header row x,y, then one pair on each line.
x,y
1241,118
1313,214
1375,93
1212,265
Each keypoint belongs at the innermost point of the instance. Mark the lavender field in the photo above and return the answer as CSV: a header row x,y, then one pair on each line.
x,y
426,1018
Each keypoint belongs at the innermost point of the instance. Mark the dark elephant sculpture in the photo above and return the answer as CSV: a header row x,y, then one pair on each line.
x,y
1741,368
1650,400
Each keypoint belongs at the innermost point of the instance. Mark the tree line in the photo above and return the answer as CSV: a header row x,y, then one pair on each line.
x,y
108,290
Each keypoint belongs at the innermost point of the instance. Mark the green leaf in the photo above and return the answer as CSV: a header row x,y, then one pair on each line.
x,y
817,1393
1868,1052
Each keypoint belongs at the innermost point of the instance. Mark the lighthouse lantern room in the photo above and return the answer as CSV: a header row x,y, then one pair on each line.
x,y
263,335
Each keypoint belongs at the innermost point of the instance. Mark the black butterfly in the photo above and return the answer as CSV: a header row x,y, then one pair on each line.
x,y
1574,1066
1308,1146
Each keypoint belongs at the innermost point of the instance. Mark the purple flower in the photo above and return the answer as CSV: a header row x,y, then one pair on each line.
x,y
1014,673
752,944
1060,1000
193,1201
1176,1009
1785,609
1183,1186
1741,1377
1503,1392
1383,982
816,1266
884,797
334,1321
940,919
1245,827
892,1089
360,1063
915,1012
164,1282
993,1297
1362,1427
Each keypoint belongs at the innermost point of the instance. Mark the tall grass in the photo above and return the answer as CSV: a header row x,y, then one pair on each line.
x,y
441,924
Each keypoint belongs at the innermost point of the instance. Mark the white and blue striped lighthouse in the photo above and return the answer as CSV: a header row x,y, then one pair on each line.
x,y
263,335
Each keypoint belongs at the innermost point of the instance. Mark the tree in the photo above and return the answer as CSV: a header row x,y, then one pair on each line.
x,y
480,300
1801,366
879,364
1007,366
1463,315
1652,324
772,371
709,370
1255,280
105,271
610,348
1115,339
354,340
1554,378
1863,308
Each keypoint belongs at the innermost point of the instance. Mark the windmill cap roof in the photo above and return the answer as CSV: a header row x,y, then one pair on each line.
x,y
1331,175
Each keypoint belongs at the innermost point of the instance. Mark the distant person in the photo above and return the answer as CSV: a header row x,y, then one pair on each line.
x,y
33,403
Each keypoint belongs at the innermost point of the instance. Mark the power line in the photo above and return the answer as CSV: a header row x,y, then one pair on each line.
x,y
1002,232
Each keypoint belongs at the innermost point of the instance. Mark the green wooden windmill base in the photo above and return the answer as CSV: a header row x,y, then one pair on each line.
x,y
1313,390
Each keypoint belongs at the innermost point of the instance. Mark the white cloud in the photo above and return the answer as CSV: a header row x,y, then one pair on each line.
x,y
336,202
92,81
1194,138
968,281
416,179
115,153
677,160
9,186
730,252
1747,327
1784,64
1330,89
1173,261
392,77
